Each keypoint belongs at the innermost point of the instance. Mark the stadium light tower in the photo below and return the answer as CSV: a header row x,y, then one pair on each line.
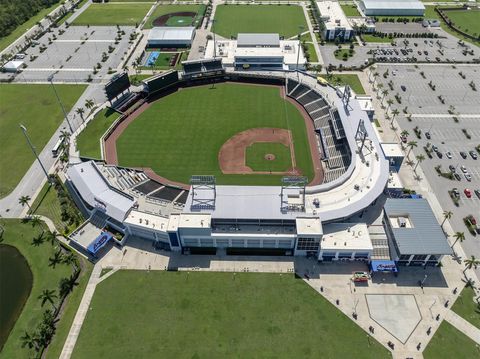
x,y
300,28
50,79
214,42
32,147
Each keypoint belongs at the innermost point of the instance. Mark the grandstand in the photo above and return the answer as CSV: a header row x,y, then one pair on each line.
x,y
331,139
202,68
122,178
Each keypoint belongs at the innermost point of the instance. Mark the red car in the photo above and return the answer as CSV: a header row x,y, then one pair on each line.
x,y
468,193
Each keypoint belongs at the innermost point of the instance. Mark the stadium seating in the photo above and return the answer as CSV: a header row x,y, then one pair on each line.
x,y
166,193
99,219
148,187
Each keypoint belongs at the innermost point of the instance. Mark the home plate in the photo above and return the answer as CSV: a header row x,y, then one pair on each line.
x,y
398,314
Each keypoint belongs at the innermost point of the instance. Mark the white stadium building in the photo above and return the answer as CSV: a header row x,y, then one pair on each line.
x,y
392,7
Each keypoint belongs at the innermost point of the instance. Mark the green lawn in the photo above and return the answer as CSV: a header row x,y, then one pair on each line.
x,y
449,342
467,308
20,236
168,9
348,79
466,20
7,40
343,54
66,17
181,134
350,9
137,79
36,107
113,14
255,157
88,142
283,19
163,61
161,314
372,38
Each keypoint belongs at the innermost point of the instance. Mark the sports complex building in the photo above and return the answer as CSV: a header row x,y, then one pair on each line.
x,y
392,7
298,216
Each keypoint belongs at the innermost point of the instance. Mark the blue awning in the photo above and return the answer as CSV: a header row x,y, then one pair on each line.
x,y
384,266
99,242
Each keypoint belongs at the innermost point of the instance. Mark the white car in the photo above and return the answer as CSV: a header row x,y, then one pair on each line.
x,y
448,154
464,169
468,177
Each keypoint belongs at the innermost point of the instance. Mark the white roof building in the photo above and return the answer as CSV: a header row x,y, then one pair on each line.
x,y
334,20
166,35
392,7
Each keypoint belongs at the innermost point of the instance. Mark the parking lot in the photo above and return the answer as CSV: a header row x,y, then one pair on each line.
x,y
73,54
430,115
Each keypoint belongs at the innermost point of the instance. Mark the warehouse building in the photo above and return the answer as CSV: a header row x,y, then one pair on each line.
x,y
334,22
171,37
392,8
414,234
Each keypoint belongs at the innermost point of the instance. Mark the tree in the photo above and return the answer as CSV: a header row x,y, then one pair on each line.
x,y
70,259
470,263
48,296
404,133
38,240
384,93
389,103
29,341
446,215
66,285
80,111
395,112
56,259
35,221
459,236
52,237
411,144
420,158
23,200
89,104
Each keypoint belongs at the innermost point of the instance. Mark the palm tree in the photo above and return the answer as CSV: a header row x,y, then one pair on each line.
x,y
446,215
66,285
470,263
404,133
389,103
48,296
52,237
89,104
23,200
38,240
70,259
36,221
420,158
411,144
29,341
56,259
384,93
80,111
459,236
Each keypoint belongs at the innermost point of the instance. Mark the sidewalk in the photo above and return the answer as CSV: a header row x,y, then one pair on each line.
x,y
465,327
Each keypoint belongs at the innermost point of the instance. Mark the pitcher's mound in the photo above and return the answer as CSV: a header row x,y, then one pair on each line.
x,y
270,157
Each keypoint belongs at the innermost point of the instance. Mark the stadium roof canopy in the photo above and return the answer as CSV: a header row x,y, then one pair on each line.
x,y
171,33
97,193
393,4
254,40
423,235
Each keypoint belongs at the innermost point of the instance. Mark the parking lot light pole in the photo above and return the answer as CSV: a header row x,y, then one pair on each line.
x,y
32,147
50,79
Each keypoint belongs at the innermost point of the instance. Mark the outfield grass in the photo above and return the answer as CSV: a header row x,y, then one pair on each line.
x,y
36,107
113,14
161,314
255,157
449,342
350,10
181,134
168,9
21,29
88,142
467,308
348,79
20,236
283,19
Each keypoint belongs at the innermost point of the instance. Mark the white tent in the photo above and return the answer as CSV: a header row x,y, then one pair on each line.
x,y
13,66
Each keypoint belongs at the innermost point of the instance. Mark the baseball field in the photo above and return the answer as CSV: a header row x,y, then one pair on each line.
x,y
113,14
164,15
285,20
209,130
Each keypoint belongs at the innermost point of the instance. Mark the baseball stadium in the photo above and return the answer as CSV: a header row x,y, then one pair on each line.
x,y
247,162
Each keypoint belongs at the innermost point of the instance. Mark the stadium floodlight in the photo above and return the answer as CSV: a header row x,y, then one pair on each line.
x,y
50,79
300,30
32,147
214,42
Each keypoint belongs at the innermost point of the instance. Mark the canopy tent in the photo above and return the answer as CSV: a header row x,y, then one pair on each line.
x,y
99,242
383,266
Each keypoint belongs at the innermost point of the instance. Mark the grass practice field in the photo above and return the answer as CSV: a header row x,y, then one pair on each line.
x,y
449,342
181,134
169,9
157,314
113,14
88,142
466,20
256,153
40,113
350,10
283,19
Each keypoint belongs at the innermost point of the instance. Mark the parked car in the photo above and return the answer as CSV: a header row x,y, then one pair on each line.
x,y
464,169
452,168
404,139
463,154
471,221
448,154
427,135
457,177
467,192
477,192
473,155
456,192
468,177
434,148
